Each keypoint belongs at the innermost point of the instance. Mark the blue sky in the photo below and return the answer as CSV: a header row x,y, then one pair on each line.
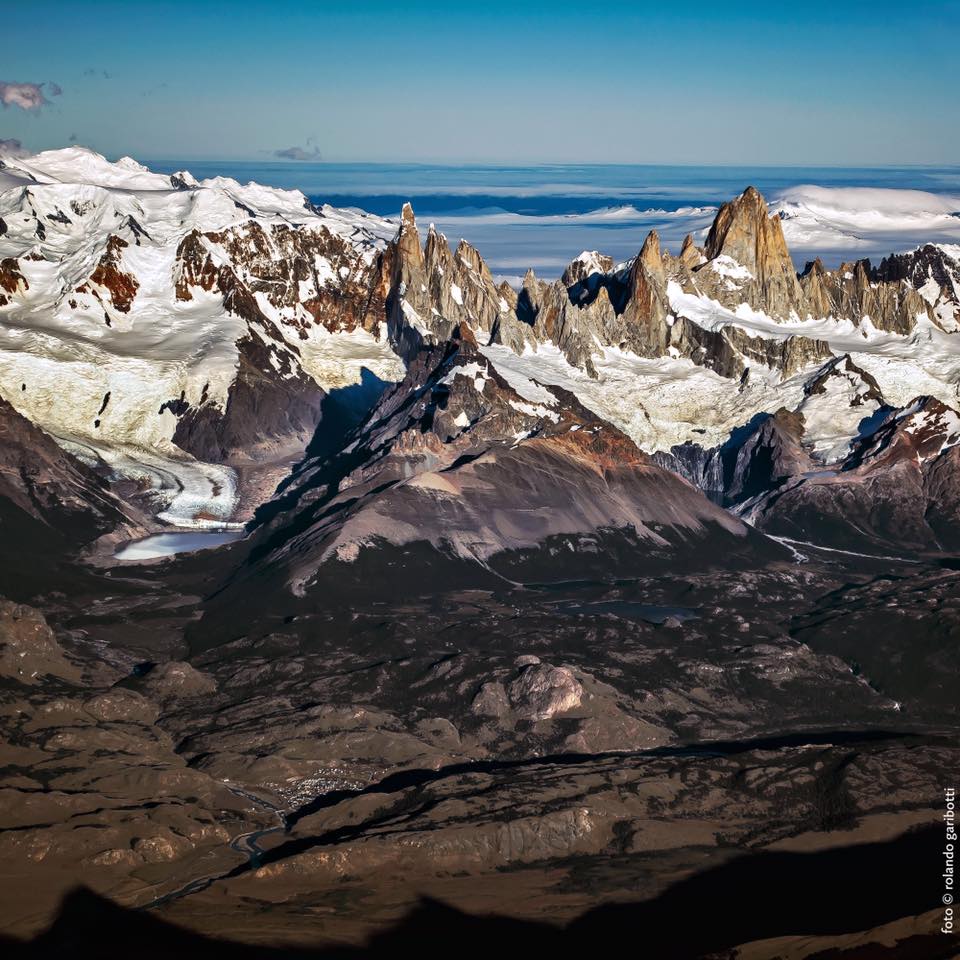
x,y
845,83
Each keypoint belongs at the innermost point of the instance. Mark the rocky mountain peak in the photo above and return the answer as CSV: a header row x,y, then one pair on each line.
x,y
770,456
437,254
470,257
650,256
690,254
588,264
435,290
745,231
408,237
646,307
747,248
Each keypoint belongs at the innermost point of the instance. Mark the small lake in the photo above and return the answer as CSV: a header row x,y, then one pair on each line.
x,y
167,544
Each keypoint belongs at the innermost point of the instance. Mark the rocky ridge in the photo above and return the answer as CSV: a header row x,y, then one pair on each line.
x,y
488,472
745,262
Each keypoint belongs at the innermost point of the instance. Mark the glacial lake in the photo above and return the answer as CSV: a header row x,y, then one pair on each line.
x,y
168,544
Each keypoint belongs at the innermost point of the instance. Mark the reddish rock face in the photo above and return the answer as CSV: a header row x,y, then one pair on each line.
x,y
111,285
280,263
646,310
194,266
11,279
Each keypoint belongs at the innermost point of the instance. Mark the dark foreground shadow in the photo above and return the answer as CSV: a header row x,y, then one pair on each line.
x,y
752,898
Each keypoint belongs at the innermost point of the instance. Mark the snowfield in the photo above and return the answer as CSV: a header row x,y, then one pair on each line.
x,y
855,218
656,402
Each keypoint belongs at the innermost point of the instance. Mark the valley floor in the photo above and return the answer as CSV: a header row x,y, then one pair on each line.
x,y
586,756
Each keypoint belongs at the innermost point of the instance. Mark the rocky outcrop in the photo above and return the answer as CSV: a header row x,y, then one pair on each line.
x,y
703,468
646,308
770,455
306,278
435,290
541,690
852,292
585,272
690,254
174,681
112,286
12,281
29,651
538,691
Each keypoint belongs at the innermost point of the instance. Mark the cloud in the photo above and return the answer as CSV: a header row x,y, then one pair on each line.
x,y
12,148
299,153
26,96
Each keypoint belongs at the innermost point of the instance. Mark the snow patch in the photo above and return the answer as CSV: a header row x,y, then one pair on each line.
x,y
728,268
535,410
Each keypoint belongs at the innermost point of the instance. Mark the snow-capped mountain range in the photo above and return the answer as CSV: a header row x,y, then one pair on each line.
x,y
140,313
185,334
